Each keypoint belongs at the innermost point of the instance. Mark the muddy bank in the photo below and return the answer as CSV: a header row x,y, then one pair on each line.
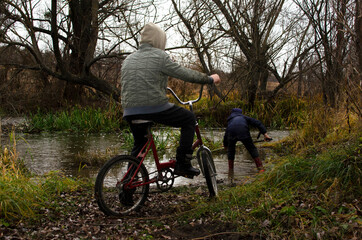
x,y
7,124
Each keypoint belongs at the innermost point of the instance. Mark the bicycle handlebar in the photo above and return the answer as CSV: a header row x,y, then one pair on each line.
x,y
190,102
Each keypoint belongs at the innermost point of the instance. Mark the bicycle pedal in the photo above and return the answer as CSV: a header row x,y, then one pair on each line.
x,y
186,176
189,176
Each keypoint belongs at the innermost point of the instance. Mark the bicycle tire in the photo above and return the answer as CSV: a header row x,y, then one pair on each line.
x,y
112,197
209,172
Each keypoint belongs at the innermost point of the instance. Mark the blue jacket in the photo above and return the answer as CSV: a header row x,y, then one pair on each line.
x,y
238,126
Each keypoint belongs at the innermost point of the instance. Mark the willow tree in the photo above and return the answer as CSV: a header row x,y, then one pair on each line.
x,y
330,21
251,36
196,29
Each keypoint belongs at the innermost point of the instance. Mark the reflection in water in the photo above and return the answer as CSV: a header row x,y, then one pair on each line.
x,y
57,151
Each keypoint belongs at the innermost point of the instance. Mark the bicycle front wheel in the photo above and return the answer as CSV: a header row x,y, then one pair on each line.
x,y
120,188
209,172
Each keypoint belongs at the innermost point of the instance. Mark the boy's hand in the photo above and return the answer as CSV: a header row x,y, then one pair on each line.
x,y
216,78
267,138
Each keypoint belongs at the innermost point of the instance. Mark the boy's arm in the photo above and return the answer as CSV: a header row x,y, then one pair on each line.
x,y
175,70
257,124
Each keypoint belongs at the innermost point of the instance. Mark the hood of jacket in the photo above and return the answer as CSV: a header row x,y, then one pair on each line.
x,y
235,112
154,35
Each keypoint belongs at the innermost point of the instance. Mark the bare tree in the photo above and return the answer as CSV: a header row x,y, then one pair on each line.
x,y
329,20
72,30
198,35
253,27
358,30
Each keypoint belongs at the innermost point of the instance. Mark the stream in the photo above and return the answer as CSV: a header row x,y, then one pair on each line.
x,y
68,152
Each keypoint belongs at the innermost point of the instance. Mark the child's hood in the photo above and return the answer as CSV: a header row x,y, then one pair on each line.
x,y
154,35
235,112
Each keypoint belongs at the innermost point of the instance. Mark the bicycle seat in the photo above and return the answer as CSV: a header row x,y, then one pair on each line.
x,y
141,121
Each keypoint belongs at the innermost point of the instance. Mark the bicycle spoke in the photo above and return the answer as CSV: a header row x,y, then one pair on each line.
x,y
114,193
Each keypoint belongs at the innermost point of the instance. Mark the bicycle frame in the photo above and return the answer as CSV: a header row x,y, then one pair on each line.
x,y
123,182
150,144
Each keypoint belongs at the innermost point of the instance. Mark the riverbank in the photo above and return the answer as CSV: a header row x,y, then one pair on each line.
x,y
7,124
299,198
311,190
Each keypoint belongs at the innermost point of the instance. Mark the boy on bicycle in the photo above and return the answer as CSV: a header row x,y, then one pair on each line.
x,y
238,130
144,77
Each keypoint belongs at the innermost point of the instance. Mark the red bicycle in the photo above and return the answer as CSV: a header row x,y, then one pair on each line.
x,y
123,183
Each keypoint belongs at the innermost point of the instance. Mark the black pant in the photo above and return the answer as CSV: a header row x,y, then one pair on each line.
x,y
248,143
174,117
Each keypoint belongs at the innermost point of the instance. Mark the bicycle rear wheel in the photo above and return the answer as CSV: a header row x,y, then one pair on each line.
x,y
209,172
111,191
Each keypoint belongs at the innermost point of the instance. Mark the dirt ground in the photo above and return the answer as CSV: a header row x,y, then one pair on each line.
x,y
157,218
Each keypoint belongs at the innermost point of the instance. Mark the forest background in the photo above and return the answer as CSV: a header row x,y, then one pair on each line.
x,y
56,53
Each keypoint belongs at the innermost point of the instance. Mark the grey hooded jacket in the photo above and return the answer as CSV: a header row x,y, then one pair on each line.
x,y
144,75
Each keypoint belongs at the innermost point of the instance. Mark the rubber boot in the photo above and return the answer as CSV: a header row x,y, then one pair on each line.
x,y
231,164
184,167
259,164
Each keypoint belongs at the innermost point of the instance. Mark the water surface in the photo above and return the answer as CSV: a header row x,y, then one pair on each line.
x,y
68,152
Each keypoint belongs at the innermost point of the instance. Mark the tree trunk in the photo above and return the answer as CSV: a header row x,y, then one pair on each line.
x,y
359,37
263,81
258,74
300,78
83,16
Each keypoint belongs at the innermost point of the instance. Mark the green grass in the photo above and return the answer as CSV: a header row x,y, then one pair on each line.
x,y
77,119
164,137
286,113
297,199
22,196
303,195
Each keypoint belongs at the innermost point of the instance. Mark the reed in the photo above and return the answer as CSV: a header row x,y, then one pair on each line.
x,y
289,112
23,196
94,158
77,119
127,139
16,193
297,198
164,137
